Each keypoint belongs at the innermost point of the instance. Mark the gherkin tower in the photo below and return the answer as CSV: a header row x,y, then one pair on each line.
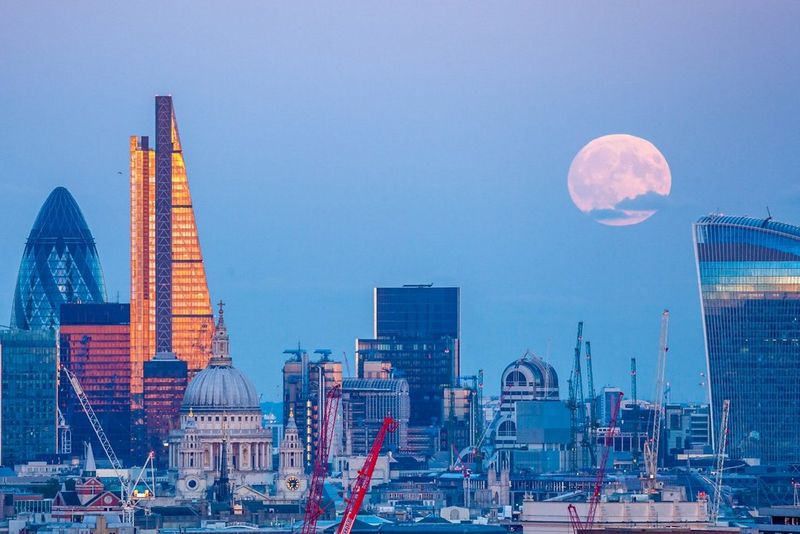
x,y
60,264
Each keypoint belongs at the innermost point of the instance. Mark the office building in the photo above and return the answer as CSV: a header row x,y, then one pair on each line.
x,y
170,303
417,330
59,264
462,417
365,402
306,384
28,406
95,346
165,381
527,380
749,280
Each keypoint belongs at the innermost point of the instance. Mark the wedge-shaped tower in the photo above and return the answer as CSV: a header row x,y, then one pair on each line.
x,y
170,303
60,264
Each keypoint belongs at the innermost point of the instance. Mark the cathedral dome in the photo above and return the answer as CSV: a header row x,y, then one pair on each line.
x,y
220,387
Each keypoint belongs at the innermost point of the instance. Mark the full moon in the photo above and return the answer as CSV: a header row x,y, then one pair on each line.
x,y
619,180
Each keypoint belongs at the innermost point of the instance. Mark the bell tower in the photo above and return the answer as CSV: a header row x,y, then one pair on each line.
x,y
291,480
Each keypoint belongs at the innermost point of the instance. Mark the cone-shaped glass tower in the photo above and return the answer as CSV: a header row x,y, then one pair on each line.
x,y
60,264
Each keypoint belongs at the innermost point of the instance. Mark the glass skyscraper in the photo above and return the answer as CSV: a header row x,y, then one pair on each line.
x,y
28,414
60,264
749,280
417,330
170,303
95,344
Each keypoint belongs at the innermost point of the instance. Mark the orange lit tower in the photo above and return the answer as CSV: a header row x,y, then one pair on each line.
x,y
170,303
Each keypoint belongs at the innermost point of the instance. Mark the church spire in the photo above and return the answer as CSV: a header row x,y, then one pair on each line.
x,y
220,344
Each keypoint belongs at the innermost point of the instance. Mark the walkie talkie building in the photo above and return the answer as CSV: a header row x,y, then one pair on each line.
x,y
749,279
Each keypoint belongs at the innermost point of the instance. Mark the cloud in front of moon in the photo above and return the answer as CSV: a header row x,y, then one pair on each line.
x,y
619,179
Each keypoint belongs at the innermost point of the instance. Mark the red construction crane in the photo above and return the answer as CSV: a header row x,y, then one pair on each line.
x,y
361,485
579,526
326,433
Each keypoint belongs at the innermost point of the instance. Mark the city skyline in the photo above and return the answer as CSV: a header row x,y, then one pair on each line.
x,y
467,166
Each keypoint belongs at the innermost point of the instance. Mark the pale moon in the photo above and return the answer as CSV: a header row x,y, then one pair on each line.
x,y
619,180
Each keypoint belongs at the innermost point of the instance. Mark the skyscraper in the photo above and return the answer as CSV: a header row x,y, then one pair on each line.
x,y
95,346
28,414
165,381
60,264
749,280
170,303
417,329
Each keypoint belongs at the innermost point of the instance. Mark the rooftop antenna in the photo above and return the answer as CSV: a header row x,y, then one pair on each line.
x,y
769,215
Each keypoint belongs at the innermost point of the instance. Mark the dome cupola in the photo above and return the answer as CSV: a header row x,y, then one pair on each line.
x,y
220,387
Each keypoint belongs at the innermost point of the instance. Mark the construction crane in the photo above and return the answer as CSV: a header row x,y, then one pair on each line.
x,y
324,354
361,485
651,446
579,526
635,406
592,426
326,434
129,496
723,442
576,400
476,410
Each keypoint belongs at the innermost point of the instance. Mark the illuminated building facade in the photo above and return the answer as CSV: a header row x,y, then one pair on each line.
x,y
749,280
28,409
60,264
170,303
95,346
165,381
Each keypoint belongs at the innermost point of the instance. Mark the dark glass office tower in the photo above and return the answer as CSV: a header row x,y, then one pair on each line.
x,y
749,280
417,330
28,413
96,347
417,312
60,264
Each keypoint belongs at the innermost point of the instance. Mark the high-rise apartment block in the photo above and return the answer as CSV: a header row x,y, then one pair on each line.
x,y
95,346
416,330
749,281
28,406
170,303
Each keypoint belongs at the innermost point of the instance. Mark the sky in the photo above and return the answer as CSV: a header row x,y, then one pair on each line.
x,y
334,147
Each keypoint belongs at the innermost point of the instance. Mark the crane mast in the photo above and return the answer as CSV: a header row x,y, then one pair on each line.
x,y
723,443
651,447
608,441
592,426
326,434
129,500
576,400
361,485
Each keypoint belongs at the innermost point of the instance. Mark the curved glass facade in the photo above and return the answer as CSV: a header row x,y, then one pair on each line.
x,y
60,264
749,279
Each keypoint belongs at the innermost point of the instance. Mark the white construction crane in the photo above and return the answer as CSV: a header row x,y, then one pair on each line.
x,y
651,445
128,494
723,443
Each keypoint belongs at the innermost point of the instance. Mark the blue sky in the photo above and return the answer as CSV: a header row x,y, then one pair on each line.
x,y
334,147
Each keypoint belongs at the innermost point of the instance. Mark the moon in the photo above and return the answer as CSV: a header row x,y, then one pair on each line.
x,y
619,180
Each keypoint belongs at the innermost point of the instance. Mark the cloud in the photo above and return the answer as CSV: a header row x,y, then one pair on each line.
x,y
607,214
647,201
